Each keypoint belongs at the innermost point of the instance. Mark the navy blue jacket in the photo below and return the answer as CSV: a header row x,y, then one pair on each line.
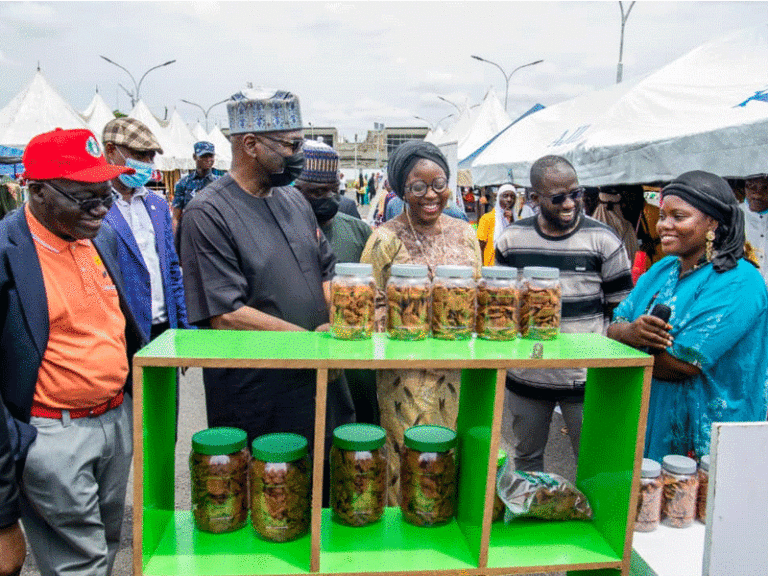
x,y
24,333
134,269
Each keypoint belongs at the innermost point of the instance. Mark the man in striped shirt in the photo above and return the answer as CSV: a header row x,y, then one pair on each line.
x,y
595,276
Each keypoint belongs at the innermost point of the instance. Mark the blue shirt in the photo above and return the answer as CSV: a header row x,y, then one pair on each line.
x,y
719,324
191,184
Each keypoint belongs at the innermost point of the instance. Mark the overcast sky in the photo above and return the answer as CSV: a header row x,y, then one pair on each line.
x,y
351,63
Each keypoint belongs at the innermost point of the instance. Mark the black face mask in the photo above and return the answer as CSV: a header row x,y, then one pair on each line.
x,y
292,166
325,208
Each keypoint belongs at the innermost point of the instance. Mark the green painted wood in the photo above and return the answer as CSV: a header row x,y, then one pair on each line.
x,y
185,550
473,427
316,347
526,543
609,437
159,405
392,545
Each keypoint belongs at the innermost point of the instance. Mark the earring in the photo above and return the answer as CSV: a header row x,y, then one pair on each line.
x,y
710,250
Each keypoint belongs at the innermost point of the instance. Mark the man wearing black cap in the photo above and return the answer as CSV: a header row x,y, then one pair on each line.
x,y
254,259
192,183
68,339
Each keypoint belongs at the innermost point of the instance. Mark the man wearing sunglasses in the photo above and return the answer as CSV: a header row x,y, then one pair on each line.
x,y
254,258
595,276
68,340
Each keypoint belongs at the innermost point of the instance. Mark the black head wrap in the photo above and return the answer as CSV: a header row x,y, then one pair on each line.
x,y
405,157
713,196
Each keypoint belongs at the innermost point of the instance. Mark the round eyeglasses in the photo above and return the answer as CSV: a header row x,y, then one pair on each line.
x,y
419,187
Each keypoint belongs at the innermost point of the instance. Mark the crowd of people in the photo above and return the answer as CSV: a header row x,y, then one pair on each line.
x,y
91,270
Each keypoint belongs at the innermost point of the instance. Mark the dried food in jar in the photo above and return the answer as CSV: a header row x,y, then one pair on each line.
x,y
453,312
680,489
358,486
428,487
352,310
497,312
544,309
701,498
407,312
649,496
280,486
219,482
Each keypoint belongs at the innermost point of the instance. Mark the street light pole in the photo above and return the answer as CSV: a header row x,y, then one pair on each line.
x,y
205,112
507,76
451,103
624,18
436,125
135,96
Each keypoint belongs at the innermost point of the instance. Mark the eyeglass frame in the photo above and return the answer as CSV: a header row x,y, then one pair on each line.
x,y
295,145
409,187
86,205
557,199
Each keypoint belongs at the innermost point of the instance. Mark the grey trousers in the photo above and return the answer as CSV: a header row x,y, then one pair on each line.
x,y
73,491
530,419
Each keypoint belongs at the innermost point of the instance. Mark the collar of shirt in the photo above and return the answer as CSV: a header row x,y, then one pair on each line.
x,y
137,193
45,237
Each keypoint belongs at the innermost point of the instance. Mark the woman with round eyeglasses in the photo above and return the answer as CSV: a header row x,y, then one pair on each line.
x,y
711,364
418,173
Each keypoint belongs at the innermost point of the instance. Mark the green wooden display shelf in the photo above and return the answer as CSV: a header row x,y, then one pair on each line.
x,y
166,543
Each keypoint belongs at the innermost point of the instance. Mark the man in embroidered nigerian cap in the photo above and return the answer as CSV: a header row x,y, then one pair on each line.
x,y
68,339
204,157
254,259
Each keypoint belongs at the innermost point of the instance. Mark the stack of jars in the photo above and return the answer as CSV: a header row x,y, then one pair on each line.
x,y
452,306
673,493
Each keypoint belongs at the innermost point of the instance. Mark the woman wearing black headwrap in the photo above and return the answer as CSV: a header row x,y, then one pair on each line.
x,y
711,364
418,173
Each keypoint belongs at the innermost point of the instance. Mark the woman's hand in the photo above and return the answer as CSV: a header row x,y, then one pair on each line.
x,y
508,215
646,331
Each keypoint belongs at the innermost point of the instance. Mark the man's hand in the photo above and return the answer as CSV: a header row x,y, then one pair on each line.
x,y
323,327
13,550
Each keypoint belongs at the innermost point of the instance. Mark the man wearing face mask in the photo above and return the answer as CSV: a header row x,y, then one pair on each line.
x,y
254,258
142,221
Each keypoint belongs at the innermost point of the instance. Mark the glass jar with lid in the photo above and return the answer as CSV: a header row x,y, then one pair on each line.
x,y
701,499
498,299
352,301
428,475
542,295
680,489
649,497
409,292
453,302
358,474
218,469
281,486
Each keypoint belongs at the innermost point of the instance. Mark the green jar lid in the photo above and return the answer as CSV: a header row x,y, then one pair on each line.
x,y
499,272
216,441
279,447
359,437
427,438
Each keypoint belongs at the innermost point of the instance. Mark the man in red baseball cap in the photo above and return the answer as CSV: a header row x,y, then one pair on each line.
x,y
68,339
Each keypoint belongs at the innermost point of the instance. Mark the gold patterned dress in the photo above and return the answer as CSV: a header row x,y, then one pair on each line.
x,y
411,397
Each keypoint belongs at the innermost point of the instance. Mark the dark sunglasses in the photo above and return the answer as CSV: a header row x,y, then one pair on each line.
x,y
87,205
574,195
294,145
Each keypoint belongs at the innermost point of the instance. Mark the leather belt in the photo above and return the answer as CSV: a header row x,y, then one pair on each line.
x,y
45,412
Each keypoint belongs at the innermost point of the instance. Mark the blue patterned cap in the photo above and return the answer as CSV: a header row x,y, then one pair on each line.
x,y
321,163
263,110
204,147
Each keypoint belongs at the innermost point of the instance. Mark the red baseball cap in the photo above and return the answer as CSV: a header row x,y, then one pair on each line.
x,y
69,155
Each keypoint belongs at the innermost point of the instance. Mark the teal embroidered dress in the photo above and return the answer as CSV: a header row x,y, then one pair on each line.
x,y
719,324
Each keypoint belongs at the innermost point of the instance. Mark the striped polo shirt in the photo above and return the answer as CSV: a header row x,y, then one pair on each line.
x,y
594,270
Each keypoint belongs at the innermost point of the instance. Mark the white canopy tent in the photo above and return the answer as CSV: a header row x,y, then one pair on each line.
x,y
174,157
180,134
457,131
199,132
489,120
223,149
707,110
97,114
37,108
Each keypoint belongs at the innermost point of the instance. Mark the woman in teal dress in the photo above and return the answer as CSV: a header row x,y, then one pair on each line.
x,y
711,363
